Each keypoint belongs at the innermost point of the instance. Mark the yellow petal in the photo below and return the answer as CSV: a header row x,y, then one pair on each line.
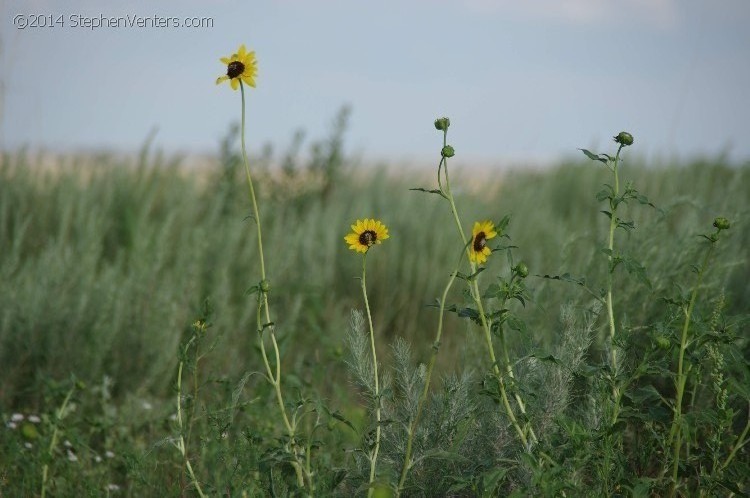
x,y
241,52
225,60
235,83
248,80
221,79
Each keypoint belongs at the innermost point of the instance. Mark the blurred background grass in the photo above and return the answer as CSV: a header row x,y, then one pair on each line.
x,y
105,261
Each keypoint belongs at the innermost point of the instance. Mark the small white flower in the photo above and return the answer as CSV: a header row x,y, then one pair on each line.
x,y
67,444
28,446
173,417
72,456
147,406
34,419
11,425
109,454
16,417
98,459
113,487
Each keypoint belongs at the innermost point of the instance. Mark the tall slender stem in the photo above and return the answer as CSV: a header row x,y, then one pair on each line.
x,y
376,449
476,296
428,376
55,433
609,298
273,377
181,446
681,379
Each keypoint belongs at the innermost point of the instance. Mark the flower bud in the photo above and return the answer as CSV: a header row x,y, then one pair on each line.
x,y
663,342
624,138
442,124
721,223
448,151
521,270
265,286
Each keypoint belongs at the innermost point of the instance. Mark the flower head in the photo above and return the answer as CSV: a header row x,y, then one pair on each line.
x,y
722,223
241,67
365,234
624,138
482,232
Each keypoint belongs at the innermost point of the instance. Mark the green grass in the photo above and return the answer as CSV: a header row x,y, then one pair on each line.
x,y
104,266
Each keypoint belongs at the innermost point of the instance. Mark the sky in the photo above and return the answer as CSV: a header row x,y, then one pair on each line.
x,y
522,81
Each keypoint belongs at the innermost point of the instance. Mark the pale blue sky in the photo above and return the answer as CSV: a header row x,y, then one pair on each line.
x,y
519,80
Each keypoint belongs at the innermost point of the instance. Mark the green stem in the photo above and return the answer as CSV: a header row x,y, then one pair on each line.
x,y
181,446
609,300
423,397
741,441
476,296
274,378
374,455
53,443
681,379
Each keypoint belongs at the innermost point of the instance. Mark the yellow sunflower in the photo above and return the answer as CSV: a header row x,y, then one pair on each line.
x,y
241,66
365,234
482,232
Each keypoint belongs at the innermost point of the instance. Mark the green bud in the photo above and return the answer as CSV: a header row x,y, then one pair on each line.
x,y
442,124
624,138
721,223
265,285
663,342
521,270
448,151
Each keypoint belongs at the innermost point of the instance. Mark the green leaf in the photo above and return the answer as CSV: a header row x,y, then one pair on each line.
x,y
471,277
566,277
594,157
432,191
636,269
516,323
605,193
626,225
338,416
503,224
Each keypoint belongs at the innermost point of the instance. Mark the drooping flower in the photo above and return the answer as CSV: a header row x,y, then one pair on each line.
x,y
365,234
482,232
241,66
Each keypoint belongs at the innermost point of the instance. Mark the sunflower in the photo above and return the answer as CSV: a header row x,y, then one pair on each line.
x,y
241,66
482,232
365,234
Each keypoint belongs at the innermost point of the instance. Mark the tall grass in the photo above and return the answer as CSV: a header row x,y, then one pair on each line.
x,y
105,264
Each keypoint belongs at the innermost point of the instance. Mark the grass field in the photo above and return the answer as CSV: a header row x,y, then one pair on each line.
x,y
106,264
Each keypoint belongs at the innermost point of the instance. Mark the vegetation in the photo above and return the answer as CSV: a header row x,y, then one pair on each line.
x,y
131,297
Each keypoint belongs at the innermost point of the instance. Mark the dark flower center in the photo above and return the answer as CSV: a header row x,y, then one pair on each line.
x,y
479,242
235,68
368,238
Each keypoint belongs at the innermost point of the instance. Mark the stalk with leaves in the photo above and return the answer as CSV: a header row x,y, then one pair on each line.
x,y
241,70
365,234
675,433
477,251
